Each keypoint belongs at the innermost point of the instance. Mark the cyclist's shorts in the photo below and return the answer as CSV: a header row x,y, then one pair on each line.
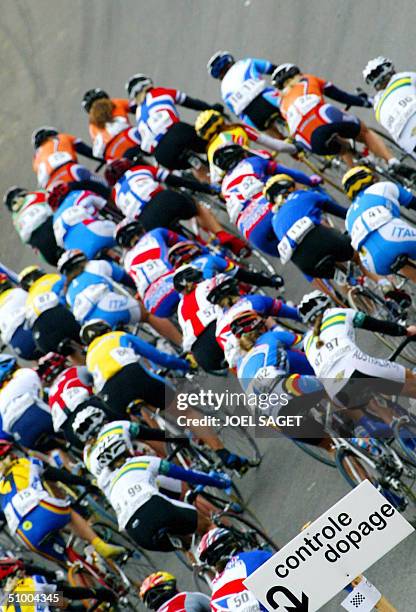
x,y
338,123
160,298
382,247
166,208
53,326
91,238
39,530
319,243
35,423
179,140
255,224
23,343
43,239
207,351
149,524
261,112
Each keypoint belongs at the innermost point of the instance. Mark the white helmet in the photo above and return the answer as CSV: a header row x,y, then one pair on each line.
x,y
109,448
377,70
312,304
70,260
137,83
88,422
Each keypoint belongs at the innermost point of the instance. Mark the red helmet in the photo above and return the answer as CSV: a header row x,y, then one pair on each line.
x,y
8,567
5,282
115,170
183,252
245,322
57,194
217,544
72,387
5,447
49,366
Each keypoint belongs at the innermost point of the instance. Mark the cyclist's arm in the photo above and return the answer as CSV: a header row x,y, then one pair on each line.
x,y
297,175
59,475
276,145
120,275
178,181
330,206
142,432
263,66
82,148
194,103
150,352
197,602
175,471
364,321
94,186
216,264
330,91
406,197
170,237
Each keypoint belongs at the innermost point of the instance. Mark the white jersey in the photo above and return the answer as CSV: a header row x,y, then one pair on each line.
x,y
21,392
238,88
144,264
239,187
195,313
34,212
396,104
12,312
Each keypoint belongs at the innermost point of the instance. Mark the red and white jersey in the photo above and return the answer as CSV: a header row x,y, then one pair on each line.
x,y
239,187
186,602
195,313
156,115
137,187
145,262
69,389
32,214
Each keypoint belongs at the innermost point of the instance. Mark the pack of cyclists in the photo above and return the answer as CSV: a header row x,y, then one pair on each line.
x,y
155,279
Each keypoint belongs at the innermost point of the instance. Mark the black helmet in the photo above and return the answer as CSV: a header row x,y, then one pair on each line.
x,y
93,329
184,275
157,588
126,230
222,286
282,73
29,275
41,134
70,260
137,83
91,96
12,194
229,156
183,252
216,545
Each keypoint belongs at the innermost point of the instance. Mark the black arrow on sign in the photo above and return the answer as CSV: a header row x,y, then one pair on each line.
x,y
299,605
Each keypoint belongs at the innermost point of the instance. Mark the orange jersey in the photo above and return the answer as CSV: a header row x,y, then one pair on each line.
x,y
113,140
53,153
300,105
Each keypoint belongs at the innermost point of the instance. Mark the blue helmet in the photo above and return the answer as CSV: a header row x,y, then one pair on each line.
x,y
217,63
7,365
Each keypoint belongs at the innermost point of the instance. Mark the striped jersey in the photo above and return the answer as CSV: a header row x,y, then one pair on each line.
x,y
156,115
395,104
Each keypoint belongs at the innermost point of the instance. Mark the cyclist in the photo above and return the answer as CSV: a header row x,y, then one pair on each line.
x,y
111,132
161,132
242,189
212,127
339,363
129,483
301,236
245,91
18,577
56,158
383,240
158,591
222,550
36,516
395,101
46,313
32,219
93,292
322,127
77,223
225,293
13,327
139,193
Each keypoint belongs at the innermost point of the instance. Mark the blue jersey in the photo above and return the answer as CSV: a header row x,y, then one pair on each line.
x,y
97,273
373,208
210,265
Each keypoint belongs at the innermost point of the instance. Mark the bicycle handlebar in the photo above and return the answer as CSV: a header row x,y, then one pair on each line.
x,y
401,347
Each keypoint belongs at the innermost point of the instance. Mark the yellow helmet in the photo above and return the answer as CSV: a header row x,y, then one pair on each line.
x,y
208,123
28,276
156,587
356,179
278,185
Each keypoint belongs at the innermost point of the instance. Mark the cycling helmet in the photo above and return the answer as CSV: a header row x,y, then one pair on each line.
x,y
9,566
282,73
29,275
184,275
126,230
222,286
217,544
49,366
157,588
88,422
57,194
7,364
183,252
70,260
218,63
278,185
91,96
93,329
115,170
312,304
208,123
5,282
41,134
228,156
377,71
357,179
137,83
12,194
5,448
246,322
110,448
72,387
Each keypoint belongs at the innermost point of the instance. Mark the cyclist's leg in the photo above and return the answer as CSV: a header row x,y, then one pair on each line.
x,y
53,326
39,530
43,239
319,243
263,113
166,208
172,150
382,247
207,351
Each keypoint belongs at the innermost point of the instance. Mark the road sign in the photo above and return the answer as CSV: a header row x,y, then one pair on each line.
x,y
316,565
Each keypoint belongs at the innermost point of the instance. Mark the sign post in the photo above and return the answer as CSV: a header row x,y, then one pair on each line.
x,y
333,550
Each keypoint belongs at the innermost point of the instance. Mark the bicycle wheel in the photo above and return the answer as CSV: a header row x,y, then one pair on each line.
x,y
318,453
354,469
250,535
405,436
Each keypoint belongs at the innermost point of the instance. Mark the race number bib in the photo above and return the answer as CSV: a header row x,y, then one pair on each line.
x,y
143,187
298,230
123,355
74,215
147,273
58,159
245,94
285,250
370,220
25,501
30,219
11,518
45,301
243,602
249,187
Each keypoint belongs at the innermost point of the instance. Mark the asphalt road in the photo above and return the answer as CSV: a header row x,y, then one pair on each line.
x,y
54,50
